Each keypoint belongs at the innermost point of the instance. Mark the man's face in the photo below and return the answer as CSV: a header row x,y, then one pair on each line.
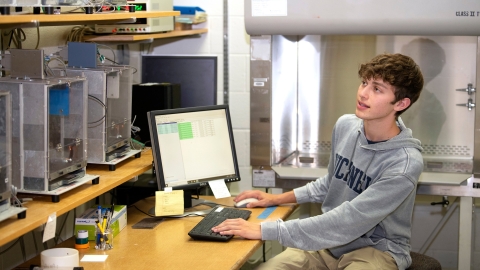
x,y
374,100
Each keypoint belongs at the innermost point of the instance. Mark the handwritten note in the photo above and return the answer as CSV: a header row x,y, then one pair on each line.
x,y
50,227
169,203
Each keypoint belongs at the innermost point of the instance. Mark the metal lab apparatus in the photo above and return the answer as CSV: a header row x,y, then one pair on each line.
x,y
48,133
6,208
109,111
5,151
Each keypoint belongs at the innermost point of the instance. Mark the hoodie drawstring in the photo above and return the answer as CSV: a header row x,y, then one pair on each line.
x,y
353,154
366,169
351,161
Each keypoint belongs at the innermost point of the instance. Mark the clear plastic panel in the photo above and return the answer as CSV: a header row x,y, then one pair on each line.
x,y
5,145
66,128
119,95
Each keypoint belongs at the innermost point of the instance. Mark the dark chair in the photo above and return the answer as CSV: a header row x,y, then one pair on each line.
x,y
423,262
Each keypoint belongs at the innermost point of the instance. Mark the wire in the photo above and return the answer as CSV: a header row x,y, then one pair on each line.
x,y
17,36
134,206
50,59
77,33
99,121
113,52
133,128
132,67
38,36
255,261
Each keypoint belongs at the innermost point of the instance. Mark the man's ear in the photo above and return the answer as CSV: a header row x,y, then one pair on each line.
x,y
402,104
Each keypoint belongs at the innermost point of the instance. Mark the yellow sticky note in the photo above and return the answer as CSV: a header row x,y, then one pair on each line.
x,y
169,203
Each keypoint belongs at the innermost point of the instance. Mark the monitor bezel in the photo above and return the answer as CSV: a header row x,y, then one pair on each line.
x,y
156,151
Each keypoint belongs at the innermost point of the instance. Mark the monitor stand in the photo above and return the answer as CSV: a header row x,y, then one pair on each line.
x,y
189,202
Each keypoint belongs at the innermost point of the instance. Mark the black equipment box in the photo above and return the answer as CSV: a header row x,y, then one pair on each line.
x,y
150,97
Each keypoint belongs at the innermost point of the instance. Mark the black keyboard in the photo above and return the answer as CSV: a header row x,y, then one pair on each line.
x,y
203,230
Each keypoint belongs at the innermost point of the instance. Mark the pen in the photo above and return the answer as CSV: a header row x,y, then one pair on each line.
x,y
104,224
101,230
99,212
110,215
99,227
112,210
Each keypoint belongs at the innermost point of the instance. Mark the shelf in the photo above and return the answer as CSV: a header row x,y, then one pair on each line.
x,y
79,18
41,206
140,37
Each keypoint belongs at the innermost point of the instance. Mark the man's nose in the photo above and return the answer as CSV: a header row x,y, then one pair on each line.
x,y
363,91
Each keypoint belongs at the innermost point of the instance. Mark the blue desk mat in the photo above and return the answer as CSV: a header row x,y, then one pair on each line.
x,y
266,212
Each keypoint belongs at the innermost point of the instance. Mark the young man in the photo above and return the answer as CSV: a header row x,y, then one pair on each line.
x,y
368,194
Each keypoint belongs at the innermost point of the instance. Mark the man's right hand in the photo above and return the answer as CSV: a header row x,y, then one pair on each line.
x,y
265,199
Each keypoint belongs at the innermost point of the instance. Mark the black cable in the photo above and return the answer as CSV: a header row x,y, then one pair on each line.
x,y
104,106
263,250
38,36
134,206
11,38
263,246
18,37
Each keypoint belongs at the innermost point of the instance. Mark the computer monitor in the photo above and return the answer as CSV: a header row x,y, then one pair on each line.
x,y
192,146
196,74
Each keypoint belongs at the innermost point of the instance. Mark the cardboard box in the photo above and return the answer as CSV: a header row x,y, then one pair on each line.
x,y
87,220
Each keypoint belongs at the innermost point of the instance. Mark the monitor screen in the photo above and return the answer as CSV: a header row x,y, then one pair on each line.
x,y
192,146
196,75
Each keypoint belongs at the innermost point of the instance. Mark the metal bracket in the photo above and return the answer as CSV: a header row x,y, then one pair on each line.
x,y
470,105
470,90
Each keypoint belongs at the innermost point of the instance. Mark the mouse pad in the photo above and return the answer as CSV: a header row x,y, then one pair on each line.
x,y
148,223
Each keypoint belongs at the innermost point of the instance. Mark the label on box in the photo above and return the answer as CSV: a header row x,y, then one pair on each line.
x,y
87,221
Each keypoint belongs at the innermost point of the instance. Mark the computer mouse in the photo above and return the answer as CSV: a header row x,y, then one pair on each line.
x,y
243,203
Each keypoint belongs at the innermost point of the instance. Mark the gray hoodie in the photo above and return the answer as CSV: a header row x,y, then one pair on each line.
x,y
367,196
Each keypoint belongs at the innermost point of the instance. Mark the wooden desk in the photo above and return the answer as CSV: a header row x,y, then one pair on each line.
x,y
41,207
168,245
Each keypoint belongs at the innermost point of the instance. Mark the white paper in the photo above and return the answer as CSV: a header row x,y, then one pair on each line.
x,y
263,178
50,227
94,258
219,188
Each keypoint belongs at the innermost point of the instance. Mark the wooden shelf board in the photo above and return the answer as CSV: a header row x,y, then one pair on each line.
x,y
70,18
140,37
41,206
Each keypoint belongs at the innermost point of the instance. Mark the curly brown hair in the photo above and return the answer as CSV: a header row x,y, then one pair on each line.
x,y
398,70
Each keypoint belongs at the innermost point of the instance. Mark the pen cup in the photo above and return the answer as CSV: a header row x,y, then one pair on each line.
x,y
104,240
